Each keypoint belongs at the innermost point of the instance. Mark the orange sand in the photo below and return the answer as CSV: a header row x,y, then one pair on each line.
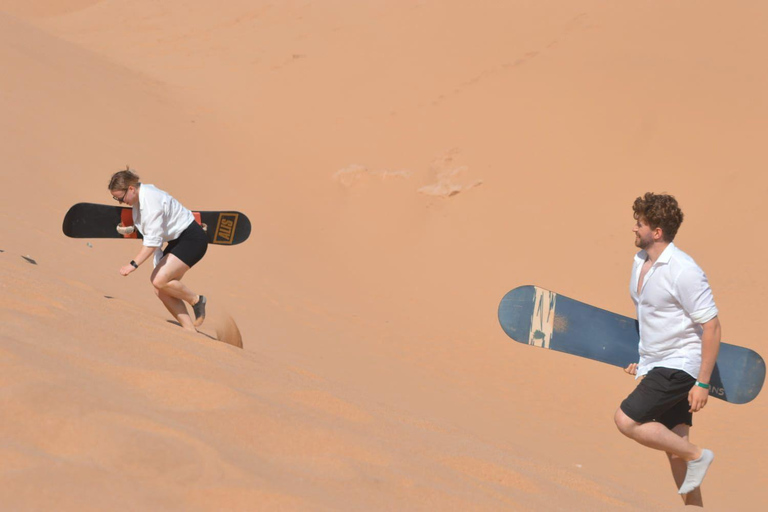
x,y
404,164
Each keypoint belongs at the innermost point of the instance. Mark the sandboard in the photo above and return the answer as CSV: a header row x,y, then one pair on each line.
x,y
536,316
89,220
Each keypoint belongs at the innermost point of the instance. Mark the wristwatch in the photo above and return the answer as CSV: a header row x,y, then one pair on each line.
x,y
134,264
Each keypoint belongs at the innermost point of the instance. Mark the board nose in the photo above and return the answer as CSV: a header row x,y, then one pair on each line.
x,y
515,311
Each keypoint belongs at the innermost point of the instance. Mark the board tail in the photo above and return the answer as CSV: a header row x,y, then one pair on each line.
x,y
126,218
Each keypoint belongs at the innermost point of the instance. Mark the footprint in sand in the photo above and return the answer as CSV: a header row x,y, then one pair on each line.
x,y
353,174
449,177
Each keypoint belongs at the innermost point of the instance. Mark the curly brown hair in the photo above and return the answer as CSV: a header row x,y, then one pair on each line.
x,y
659,211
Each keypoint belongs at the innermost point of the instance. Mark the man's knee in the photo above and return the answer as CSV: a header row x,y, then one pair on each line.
x,y
623,422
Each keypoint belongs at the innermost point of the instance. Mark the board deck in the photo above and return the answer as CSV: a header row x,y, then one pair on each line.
x,y
90,220
540,317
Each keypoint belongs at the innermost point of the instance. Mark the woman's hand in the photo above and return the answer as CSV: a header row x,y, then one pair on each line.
x,y
125,230
127,269
631,369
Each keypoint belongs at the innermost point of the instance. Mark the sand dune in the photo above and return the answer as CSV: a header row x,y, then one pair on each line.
x,y
404,164
109,407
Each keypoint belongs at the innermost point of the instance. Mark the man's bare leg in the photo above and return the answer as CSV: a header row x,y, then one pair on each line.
x,y
679,468
657,436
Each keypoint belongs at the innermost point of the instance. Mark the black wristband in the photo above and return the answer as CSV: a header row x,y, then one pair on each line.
x,y
134,264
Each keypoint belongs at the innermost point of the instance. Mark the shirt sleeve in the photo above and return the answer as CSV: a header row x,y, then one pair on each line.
x,y
152,222
695,295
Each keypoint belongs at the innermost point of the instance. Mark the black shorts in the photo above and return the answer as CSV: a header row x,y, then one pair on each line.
x,y
191,245
662,396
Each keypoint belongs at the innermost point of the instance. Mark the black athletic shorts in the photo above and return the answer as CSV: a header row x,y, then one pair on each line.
x,y
191,245
662,396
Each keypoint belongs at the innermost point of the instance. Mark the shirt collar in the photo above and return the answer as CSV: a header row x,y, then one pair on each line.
x,y
664,257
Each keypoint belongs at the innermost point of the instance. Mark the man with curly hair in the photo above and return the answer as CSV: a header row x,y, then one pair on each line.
x,y
679,343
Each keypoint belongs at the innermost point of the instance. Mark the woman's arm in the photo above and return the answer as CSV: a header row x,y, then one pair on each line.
x,y
143,255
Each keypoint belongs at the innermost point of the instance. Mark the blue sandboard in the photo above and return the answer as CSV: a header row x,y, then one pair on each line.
x,y
539,317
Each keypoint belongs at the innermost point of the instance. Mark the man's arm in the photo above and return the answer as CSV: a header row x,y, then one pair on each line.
x,y
710,347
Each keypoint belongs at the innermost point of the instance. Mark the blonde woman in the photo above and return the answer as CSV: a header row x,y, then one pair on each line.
x,y
162,219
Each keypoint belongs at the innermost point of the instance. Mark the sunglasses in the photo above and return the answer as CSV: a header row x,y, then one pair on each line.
x,y
120,199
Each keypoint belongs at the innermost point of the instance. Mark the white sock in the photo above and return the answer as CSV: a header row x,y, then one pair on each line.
x,y
697,469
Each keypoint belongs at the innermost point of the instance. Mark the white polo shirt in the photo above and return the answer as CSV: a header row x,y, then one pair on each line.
x,y
673,303
159,217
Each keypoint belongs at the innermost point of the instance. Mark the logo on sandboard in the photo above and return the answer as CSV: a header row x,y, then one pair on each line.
x,y
225,228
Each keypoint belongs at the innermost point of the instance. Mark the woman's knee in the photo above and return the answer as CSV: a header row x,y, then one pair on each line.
x,y
159,282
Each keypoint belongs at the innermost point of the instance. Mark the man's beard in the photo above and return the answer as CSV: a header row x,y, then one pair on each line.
x,y
642,244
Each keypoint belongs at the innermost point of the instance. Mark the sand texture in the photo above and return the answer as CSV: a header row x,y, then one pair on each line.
x,y
404,164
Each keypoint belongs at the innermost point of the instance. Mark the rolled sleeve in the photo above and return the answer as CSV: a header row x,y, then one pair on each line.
x,y
153,227
695,295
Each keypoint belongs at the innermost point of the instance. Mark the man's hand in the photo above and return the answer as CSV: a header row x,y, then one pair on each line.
x,y
697,398
631,369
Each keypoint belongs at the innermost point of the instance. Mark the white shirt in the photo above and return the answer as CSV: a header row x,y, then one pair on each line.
x,y
673,303
159,217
